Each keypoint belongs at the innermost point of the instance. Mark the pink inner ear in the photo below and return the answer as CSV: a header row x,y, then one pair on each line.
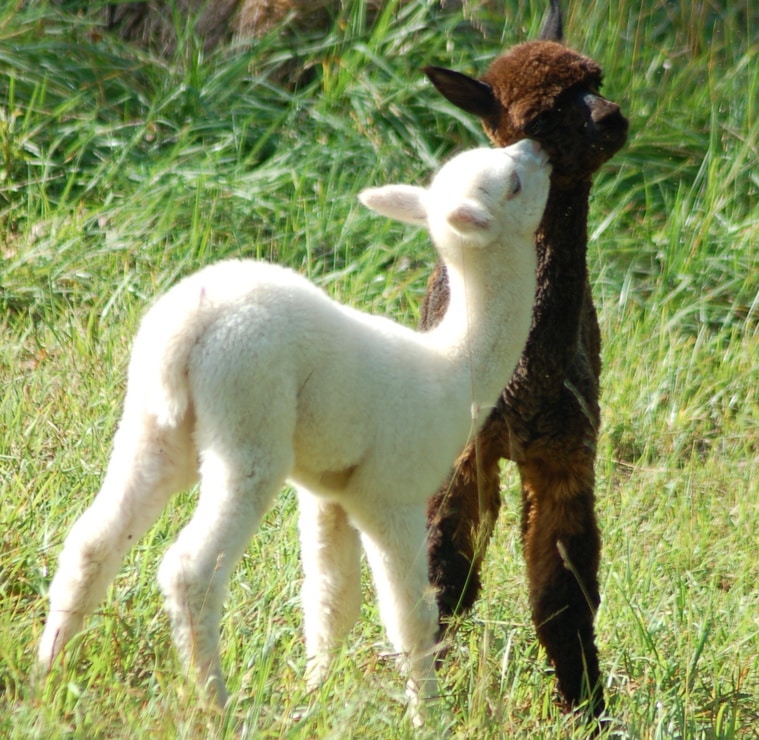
x,y
468,217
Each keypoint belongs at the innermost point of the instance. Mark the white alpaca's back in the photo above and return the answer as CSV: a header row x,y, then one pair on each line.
x,y
245,374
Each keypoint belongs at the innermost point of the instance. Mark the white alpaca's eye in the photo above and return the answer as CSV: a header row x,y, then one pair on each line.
x,y
515,186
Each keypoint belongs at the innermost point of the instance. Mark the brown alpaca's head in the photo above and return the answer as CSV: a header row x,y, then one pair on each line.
x,y
543,90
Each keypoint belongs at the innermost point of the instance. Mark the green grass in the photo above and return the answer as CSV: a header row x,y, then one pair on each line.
x,y
120,172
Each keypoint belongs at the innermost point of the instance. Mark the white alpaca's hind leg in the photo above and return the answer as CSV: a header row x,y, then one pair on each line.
x,y
147,466
394,540
331,593
236,490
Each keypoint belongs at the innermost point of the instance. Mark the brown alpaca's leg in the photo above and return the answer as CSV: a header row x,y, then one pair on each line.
x,y
460,521
562,547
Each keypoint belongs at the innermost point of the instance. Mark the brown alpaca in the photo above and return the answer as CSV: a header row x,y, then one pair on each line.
x,y
547,418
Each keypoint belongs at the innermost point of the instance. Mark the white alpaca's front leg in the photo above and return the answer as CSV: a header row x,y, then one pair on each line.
x,y
395,542
331,592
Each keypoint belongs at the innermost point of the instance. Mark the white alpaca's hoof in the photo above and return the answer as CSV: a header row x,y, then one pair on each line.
x,y
59,629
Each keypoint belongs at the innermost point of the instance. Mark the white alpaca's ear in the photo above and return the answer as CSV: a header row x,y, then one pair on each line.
x,y
404,203
469,217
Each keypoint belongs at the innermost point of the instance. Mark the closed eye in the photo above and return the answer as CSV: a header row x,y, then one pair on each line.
x,y
515,186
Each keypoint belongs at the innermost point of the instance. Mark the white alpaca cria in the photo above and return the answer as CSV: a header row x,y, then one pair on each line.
x,y
245,375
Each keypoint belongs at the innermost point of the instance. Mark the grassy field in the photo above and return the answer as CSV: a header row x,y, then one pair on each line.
x,y
120,172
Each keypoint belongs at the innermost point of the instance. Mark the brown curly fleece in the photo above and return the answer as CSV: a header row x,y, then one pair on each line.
x,y
548,416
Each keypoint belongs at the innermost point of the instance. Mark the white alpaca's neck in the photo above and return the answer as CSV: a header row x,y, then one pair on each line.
x,y
488,318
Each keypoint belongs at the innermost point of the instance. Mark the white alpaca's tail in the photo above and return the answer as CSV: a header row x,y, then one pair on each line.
x,y
158,371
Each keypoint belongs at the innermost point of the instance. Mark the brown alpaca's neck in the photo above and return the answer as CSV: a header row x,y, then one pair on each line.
x,y
562,281
562,238
562,242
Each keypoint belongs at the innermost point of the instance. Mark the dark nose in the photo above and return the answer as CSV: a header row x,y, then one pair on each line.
x,y
600,108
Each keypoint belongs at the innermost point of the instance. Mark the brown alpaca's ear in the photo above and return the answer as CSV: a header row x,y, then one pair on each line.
x,y
552,28
473,96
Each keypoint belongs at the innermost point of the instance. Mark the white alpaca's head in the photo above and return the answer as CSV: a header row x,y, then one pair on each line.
x,y
478,198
